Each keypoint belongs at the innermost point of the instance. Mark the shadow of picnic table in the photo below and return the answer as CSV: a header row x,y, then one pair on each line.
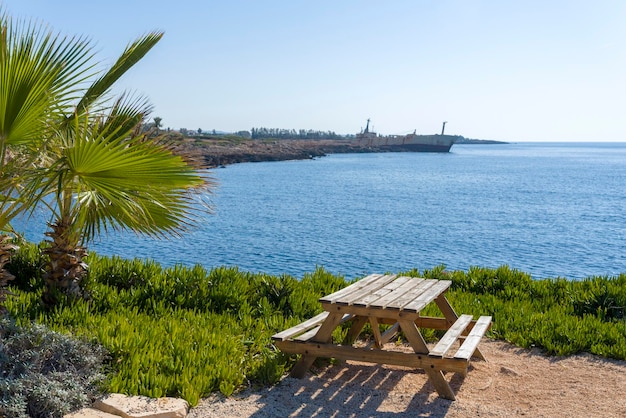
x,y
356,390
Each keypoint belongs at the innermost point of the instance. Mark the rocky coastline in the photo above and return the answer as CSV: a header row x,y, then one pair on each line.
x,y
216,152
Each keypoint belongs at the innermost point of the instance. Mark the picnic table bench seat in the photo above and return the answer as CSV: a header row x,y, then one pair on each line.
x,y
456,332
304,331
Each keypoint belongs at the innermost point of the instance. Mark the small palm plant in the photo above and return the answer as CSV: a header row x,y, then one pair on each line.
x,y
104,175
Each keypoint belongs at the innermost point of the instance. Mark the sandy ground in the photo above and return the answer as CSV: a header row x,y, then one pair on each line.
x,y
513,382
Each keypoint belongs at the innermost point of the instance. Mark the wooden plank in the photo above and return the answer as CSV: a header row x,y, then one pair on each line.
x,y
392,314
389,333
365,299
408,290
385,291
441,385
411,294
349,289
451,316
428,296
426,322
451,336
355,329
471,341
375,331
446,309
309,334
344,352
413,335
302,327
419,346
323,335
362,292
432,322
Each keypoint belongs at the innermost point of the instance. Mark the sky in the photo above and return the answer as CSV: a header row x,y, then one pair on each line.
x,y
530,70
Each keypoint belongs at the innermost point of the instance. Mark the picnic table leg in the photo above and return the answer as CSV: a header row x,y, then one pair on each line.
x,y
355,329
376,331
419,346
324,335
451,317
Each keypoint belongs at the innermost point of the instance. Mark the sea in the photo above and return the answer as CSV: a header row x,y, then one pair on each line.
x,y
548,209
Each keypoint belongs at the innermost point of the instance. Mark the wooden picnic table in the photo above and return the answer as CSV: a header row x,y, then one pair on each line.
x,y
397,302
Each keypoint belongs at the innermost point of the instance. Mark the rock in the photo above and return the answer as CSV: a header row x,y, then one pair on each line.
x,y
90,413
142,406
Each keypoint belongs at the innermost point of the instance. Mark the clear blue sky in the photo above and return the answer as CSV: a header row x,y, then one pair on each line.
x,y
531,70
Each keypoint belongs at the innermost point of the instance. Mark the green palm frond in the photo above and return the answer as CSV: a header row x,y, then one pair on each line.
x,y
127,113
131,55
39,73
119,181
107,151
11,205
40,76
148,212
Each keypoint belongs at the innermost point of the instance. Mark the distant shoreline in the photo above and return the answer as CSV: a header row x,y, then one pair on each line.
x,y
219,151
479,141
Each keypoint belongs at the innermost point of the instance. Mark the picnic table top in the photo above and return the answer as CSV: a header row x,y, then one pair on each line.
x,y
387,292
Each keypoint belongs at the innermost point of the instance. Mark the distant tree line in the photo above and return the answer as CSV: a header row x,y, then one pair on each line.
x,y
155,126
262,133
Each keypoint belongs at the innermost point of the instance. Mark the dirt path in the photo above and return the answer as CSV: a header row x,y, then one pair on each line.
x,y
514,382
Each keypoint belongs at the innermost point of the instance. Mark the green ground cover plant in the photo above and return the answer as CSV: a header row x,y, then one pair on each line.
x,y
187,332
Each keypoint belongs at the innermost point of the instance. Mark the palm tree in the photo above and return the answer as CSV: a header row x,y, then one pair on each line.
x,y
157,124
39,74
106,176
52,130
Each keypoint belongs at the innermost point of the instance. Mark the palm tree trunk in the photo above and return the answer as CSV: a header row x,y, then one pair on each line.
x,y
7,248
66,270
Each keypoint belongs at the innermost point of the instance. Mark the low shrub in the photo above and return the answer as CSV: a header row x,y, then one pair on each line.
x,y
45,373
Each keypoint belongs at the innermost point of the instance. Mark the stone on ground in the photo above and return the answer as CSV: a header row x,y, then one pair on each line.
x,y
90,413
142,406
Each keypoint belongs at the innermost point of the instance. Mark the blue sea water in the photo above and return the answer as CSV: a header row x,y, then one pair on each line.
x,y
549,209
